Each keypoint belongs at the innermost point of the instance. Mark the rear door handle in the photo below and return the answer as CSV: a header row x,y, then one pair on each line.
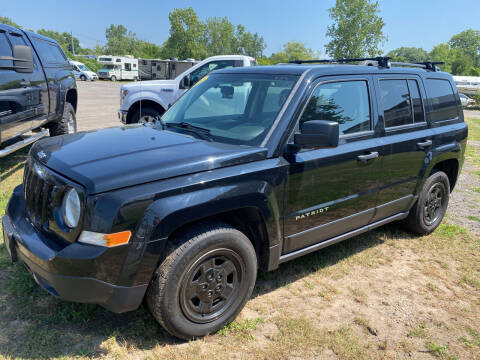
x,y
424,144
369,156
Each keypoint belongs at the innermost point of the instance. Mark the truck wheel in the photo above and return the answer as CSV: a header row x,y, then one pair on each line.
x,y
148,115
205,280
83,78
68,123
431,206
113,78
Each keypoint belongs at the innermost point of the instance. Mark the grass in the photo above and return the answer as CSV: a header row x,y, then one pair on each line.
x,y
322,305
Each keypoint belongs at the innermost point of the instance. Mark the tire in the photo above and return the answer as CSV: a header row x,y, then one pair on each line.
x,y
113,78
83,78
68,123
221,261
430,208
148,115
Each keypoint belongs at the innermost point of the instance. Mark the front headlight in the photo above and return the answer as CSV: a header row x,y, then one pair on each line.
x,y
71,208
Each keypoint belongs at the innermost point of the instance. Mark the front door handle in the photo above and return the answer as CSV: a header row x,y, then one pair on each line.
x,y
424,144
25,83
369,156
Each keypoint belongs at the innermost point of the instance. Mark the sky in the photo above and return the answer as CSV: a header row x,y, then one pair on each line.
x,y
418,23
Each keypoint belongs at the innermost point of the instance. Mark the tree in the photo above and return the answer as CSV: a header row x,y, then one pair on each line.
x,y
220,36
248,43
292,50
409,54
187,35
443,53
468,42
7,21
120,41
357,29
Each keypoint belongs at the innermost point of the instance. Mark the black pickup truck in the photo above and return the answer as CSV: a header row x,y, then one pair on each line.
x,y
38,94
251,168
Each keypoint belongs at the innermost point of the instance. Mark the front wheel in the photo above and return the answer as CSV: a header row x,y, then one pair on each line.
x,y
83,78
147,115
205,280
431,206
113,78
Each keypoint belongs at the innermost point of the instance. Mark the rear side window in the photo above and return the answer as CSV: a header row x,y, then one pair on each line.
x,y
346,102
5,50
402,103
49,52
443,100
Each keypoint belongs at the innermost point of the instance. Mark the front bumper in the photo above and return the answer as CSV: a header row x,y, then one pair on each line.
x,y
58,269
122,115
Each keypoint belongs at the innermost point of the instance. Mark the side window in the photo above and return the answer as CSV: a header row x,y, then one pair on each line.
x,y
118,60
397,108
443,100
203,70
346,102
5,50
128,66
16,40
49,52
418,115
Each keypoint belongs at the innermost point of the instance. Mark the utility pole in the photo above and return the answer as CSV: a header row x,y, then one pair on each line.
x,y
73,49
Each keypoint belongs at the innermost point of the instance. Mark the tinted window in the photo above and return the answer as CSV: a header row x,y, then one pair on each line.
x,y
203,70
49,52
345,102
416,101
397,108
443,100
5,50
128,67
16,40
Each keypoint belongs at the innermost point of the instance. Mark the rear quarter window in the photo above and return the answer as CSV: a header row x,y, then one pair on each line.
x,y
443,100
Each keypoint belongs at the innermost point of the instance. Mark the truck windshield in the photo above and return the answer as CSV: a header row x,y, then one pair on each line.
x,y
233,108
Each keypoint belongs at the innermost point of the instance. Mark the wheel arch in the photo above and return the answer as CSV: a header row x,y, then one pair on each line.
x,y
145,103
72,98
450,167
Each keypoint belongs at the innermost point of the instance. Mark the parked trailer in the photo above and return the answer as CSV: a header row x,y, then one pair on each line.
x,y
118,67
157,69
469,85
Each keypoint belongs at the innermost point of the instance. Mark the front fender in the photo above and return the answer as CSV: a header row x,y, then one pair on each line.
x,y
146,95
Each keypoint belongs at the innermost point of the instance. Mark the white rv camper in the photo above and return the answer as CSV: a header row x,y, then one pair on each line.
x,y
118,67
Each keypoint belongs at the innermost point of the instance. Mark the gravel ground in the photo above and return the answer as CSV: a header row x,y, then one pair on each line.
x,y
98,102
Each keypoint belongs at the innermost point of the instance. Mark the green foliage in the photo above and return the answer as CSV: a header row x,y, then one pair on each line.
x,y
292,50
409,54
7,21
187,35
468,42
357,29
64,39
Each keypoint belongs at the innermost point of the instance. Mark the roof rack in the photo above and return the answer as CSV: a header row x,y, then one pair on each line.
x,y
382,61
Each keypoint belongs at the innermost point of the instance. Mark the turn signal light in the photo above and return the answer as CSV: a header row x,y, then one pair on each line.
x,y
107,240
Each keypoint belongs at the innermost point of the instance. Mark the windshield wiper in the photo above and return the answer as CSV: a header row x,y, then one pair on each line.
x,y
201,132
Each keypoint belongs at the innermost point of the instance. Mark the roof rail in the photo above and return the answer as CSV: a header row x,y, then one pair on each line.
x,y
382,61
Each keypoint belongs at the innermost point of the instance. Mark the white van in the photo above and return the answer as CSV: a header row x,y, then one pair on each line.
x,y
118,67
80,71
143,101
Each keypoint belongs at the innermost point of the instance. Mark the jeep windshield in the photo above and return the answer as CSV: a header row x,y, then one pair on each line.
x,y
231,108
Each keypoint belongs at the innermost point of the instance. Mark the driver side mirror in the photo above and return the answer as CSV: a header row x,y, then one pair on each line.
x,y
185,83
317,134
23,62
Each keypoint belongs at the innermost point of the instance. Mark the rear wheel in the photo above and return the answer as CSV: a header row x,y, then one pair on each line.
x,y
68,123
431,206
204,282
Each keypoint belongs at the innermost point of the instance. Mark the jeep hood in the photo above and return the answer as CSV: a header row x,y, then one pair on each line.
x,y
114,158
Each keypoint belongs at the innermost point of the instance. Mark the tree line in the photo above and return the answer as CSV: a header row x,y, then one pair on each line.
x,y
357,30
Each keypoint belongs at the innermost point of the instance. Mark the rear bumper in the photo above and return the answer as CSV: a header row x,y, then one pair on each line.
x,y
53,267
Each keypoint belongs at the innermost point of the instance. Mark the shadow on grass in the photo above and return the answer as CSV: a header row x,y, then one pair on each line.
x,y
13,162
36,325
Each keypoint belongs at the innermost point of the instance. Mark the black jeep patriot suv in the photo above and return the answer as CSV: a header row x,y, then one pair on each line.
x,y
37,89
250,168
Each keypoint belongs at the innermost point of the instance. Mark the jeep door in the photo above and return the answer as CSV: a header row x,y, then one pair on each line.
x,y
406,141
23,96
332,191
